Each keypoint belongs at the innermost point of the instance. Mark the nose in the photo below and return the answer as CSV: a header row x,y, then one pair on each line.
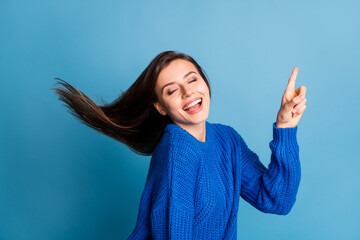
x,y
187,91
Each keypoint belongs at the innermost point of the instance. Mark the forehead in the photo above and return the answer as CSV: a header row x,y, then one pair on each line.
x,y
175,71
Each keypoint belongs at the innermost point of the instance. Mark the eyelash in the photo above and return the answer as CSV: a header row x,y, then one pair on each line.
x,y
169,93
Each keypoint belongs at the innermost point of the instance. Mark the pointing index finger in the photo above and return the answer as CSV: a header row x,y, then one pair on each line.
x,y
292,79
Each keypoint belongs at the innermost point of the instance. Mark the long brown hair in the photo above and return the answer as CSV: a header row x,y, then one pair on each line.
x,y
131,118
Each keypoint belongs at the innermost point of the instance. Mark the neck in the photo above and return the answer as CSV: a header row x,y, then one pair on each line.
x,y
198,131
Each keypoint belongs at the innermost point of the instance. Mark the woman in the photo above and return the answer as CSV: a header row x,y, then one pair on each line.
x,y
198,170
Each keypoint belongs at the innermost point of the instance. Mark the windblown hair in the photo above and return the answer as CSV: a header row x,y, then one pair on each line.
x,y
131,118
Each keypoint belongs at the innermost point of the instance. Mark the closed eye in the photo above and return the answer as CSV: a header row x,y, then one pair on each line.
x,y
171,92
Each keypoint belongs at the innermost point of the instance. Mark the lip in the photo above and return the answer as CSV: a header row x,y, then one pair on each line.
x,y
191,101
197,110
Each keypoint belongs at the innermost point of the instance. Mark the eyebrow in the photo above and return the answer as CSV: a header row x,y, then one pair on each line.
x,y
162,89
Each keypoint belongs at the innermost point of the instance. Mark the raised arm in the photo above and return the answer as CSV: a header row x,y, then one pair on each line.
x,y
272,189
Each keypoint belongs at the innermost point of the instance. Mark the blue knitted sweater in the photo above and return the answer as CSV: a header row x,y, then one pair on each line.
x,y
193,188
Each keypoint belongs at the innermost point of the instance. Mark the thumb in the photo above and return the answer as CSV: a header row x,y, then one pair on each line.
x,y
296,100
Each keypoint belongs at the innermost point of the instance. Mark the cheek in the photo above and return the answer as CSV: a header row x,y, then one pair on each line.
x,y
205,89
203,86
173,103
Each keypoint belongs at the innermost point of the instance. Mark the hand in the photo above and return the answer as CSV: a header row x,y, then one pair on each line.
x,y
292,104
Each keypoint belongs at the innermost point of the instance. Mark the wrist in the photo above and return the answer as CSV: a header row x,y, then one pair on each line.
x,y
282,125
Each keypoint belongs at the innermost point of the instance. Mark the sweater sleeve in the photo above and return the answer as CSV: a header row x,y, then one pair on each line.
x,y
272,189
173,218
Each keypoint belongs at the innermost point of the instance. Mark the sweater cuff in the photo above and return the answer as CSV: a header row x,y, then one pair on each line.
x,y
285,136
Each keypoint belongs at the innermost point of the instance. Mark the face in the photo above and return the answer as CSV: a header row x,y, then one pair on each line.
x,y
182,94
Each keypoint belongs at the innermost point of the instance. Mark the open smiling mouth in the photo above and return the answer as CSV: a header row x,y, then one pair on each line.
x,y
194,107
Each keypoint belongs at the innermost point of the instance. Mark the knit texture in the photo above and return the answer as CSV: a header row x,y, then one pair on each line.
x,y
193,188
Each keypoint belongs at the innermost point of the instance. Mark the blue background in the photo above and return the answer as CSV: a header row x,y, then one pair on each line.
x,y
59,179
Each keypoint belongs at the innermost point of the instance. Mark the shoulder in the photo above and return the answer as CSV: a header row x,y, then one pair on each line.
x,y
176,146
219,127
175,139
174,160
226,132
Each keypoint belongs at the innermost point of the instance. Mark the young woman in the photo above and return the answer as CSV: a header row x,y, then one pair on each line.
x,y
198,169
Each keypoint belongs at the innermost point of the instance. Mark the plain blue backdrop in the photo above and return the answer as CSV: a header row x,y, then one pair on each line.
x,y
59,179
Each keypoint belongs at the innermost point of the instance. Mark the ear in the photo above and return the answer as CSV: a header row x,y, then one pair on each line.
x,y
160,109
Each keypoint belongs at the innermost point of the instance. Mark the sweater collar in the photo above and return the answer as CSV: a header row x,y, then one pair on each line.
x,y
171,127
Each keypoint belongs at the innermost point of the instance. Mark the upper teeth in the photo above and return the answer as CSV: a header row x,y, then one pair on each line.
x,y
192,104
